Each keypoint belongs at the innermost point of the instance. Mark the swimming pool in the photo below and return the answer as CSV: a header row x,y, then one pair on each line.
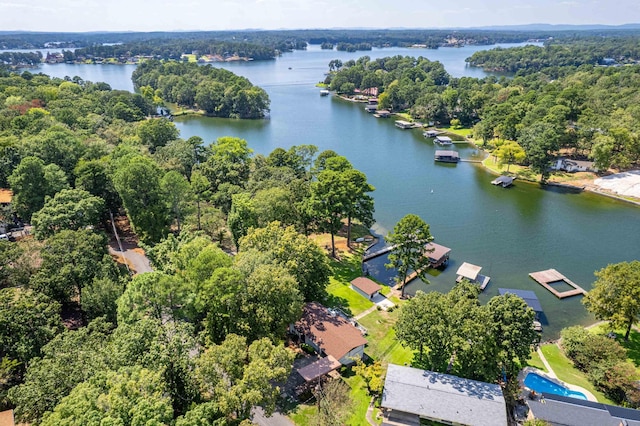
x,y
541,384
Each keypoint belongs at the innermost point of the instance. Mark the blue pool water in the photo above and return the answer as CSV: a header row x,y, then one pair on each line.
x,y
540,384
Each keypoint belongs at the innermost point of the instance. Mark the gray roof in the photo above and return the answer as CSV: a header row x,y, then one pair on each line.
x,y
563,411
443,397
529,297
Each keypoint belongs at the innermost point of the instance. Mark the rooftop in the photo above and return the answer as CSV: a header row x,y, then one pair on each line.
x,y
366,285
467,270
330,332
529,297
560,410
319,368
438,251
443,397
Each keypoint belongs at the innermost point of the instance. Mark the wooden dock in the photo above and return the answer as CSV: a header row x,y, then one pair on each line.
x,y
546,278
375,254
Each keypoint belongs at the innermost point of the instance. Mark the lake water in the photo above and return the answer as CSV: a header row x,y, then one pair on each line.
x,y
509,232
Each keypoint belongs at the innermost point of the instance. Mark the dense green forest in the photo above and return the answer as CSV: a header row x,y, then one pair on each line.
x,y
218,92
174,49
587,111
200,338
559,53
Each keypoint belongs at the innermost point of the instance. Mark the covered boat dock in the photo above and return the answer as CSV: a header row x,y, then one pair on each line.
x,y
503,181
446,156
472,273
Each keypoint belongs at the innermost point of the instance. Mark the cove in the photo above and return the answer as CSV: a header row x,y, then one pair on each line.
x,y
509,232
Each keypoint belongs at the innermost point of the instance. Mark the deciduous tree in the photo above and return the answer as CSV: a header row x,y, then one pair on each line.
x,y
616,295
408,239
71,209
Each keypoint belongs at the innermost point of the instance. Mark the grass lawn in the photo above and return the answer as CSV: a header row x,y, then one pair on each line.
x,y
383,345
491,164
340,293
467,133
564,369
360,399
404,116
536,362
303,414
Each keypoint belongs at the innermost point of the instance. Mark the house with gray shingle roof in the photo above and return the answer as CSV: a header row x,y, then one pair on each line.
x,y
410,393
564,411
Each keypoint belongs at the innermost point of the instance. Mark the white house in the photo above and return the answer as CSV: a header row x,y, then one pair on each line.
x,y
573,166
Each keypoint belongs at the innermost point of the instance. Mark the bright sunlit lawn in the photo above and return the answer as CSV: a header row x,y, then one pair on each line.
x,y
536,362
564,369
381,335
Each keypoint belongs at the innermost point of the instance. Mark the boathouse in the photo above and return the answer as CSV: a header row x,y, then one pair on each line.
x,y
503,181
366,287
438,255
411,394
383,113
404,124
430,133
472,273
371,108
443,140
447,156
528,296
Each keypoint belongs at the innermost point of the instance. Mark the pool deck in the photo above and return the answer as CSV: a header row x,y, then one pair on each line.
x,y
551,375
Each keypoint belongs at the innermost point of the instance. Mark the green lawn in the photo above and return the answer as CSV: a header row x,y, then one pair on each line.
x,y
360,399
564,369
383,345
303,414
466,133
340,293
536,362
491,164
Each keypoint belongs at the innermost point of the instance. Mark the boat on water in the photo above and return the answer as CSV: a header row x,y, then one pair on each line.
x,y
324,92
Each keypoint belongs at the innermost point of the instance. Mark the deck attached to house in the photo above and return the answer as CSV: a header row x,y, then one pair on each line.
x,y
546,278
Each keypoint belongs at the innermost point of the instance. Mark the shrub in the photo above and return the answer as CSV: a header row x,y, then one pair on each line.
x,y
596,349
617,380
307,348
572,339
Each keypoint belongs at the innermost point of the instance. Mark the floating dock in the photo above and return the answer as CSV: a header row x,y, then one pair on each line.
x,y
375,254
550,276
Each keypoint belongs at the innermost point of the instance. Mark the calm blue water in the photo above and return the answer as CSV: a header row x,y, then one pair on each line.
x,y
509,232
540,384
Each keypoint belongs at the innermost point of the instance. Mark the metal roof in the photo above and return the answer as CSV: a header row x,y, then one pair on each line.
x,y
529,297
443,397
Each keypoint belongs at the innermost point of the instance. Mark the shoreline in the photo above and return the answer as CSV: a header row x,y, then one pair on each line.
x,y
588,188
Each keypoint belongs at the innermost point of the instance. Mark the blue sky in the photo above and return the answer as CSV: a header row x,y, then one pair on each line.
x,y
168,15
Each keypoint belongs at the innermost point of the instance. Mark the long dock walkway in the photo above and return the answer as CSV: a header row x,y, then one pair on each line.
x,y
375,254
546,278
